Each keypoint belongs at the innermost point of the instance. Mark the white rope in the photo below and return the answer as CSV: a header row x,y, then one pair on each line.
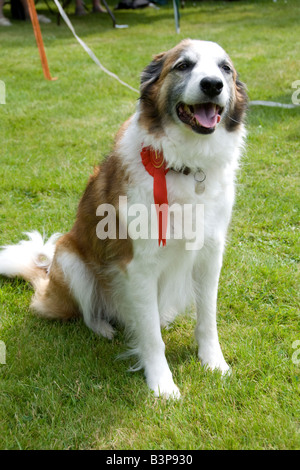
x,y
273,104
88,50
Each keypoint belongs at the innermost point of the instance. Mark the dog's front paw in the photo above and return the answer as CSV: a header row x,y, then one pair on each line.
x,y
214,361
103,328
165,388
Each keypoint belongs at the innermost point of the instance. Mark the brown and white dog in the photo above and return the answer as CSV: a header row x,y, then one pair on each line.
x,y
190,112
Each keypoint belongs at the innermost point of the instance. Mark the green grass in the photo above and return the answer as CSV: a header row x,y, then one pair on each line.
x,y
62,387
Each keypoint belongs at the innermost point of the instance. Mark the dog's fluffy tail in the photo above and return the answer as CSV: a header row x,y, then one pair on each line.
x,y
30,259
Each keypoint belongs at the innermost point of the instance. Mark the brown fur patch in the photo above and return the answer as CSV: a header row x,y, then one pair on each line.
x,y
52,298
152,103
104,187
239,106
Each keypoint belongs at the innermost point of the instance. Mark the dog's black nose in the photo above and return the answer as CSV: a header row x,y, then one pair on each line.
x,y
211,86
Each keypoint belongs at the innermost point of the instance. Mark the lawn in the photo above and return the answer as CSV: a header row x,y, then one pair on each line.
x,y
61,386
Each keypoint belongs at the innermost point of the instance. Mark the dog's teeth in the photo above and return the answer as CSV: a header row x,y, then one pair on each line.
x,y
186,109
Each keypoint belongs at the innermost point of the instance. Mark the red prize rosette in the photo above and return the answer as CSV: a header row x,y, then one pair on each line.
x,y
153,161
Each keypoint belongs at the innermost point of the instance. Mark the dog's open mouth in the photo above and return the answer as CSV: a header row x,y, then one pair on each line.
x,y
202,118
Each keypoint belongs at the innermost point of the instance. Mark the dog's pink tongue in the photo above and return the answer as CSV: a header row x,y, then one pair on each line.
x,y
206,114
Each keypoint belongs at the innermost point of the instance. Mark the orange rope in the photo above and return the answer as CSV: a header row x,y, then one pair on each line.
x,y
39,39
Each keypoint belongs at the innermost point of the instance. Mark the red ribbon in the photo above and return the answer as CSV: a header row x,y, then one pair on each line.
x,y
153,161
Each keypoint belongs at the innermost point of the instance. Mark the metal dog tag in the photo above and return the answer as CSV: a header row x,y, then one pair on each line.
x,y
199,177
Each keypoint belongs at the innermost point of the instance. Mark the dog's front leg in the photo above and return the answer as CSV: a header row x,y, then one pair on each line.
x,y
206,277
143,323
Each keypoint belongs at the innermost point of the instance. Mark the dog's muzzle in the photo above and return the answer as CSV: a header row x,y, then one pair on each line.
x,y
201,117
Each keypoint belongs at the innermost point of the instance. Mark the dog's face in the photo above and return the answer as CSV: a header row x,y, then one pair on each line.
x,y
195,86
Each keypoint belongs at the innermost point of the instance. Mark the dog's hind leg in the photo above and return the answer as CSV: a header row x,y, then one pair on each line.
x,y
84,289
52,298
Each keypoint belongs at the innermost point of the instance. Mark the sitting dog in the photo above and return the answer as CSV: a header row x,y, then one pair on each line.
x,y
181,148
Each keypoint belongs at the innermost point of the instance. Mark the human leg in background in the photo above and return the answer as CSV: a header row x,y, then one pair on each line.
x,y
3,21
80,10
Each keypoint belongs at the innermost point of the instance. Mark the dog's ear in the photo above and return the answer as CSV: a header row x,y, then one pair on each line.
x,y
152,72
239,107
241,93
150,116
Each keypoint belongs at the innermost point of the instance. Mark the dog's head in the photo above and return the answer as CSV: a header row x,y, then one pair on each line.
x,y
195,86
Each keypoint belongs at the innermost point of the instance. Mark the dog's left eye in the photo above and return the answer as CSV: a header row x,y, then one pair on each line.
x,y
226,68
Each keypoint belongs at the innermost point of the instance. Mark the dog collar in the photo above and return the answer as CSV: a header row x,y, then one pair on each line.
x,y
155,165
199,177
185,170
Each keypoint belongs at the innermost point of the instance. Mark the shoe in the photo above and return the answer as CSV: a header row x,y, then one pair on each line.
x,y
80,12
4,22
44,19
99,10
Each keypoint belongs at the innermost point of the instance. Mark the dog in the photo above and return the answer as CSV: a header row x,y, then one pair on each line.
x,y
181,147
